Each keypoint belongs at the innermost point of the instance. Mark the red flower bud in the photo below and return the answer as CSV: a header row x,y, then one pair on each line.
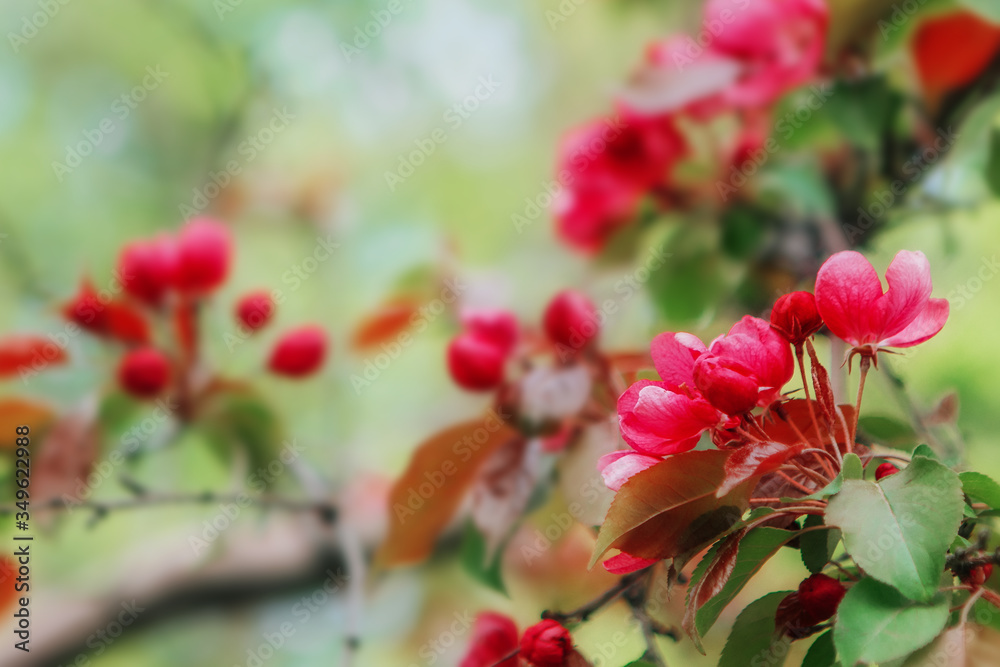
x,y
570,320
979,574
494,637
144,373
546,644
820,596
254,310
204,249
299,352
796,317
496,326
726,384
148,268
884,470
475,363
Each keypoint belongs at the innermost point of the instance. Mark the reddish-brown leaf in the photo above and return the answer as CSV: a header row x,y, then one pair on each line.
x,y
127,324
385,324
65,457
425,498
754,460
19,353
713,581
672,508
16,412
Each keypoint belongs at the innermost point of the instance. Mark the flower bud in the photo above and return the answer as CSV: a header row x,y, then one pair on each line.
x,y
148,268
254,310
475,363
820,596
726,384
496,326
299,352
546,644
494,638
884,470
570,320
979,574
144,373
796,317
204,250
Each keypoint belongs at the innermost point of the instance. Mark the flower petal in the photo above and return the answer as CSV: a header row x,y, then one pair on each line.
x,y
847,289
909,280
625,563
617,467
657,420
930,321
674,355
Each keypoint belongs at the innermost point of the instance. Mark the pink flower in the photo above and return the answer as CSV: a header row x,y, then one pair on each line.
x,y
618,467
674,355
657,420
494,636
780,44
850,298
605,168
755,346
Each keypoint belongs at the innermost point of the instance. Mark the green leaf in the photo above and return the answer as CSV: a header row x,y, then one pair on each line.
x,y
743,228
798,189
691,281
889,432
822,652
853,469
243,420
925,451
756,547
817,546
875,623
863,110
981,487
993,162
899,530
752,642
988,9
473,556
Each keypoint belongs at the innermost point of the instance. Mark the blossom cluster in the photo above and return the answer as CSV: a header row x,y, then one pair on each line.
x,y
163,281
748,55
714,388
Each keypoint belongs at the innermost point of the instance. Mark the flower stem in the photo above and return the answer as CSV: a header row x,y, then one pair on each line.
x,y
866,363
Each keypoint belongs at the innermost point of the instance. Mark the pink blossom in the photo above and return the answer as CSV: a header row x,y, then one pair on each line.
x,y
618,467
850,298
780,44
655,419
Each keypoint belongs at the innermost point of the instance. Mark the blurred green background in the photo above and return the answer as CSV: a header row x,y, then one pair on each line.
x,y
228,67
